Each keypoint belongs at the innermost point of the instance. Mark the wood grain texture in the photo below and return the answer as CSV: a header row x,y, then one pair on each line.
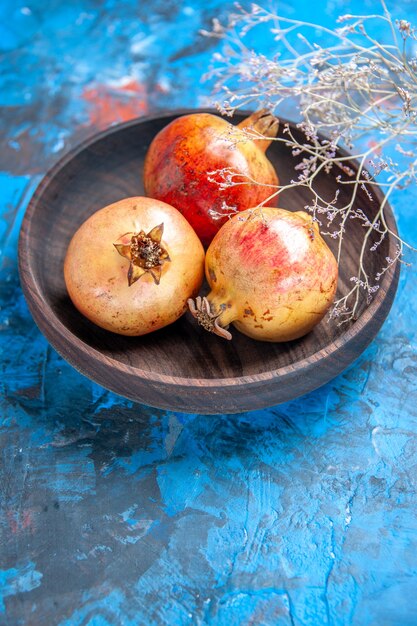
x,y
181,367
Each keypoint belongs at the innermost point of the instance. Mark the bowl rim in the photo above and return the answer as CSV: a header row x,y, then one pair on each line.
x,y
38,305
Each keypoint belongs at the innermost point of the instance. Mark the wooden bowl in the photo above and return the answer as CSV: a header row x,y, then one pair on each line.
x,y
181,367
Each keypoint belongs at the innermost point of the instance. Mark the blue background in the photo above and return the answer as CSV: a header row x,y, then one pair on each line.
x,y
115,513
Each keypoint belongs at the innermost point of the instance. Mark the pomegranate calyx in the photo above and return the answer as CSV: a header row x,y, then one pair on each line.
x,y
145,253
201,310
262,127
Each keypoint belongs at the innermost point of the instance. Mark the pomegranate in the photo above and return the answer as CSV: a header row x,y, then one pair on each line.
x,y
131,266
184,162
271,275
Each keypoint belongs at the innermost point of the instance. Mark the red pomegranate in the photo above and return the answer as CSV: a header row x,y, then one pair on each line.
x,y
191,161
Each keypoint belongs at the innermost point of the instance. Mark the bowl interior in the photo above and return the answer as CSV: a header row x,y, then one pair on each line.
x,y
109,168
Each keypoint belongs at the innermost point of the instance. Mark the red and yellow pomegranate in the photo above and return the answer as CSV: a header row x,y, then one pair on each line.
x,y
271,275
132,265
190,161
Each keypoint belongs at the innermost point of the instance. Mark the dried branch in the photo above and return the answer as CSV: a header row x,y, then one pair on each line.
x,y
355,89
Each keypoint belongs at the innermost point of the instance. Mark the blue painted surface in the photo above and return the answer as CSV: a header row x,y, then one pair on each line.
x,y
115,513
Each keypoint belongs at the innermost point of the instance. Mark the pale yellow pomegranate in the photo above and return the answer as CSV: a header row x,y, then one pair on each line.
x,y
132,265
271,275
